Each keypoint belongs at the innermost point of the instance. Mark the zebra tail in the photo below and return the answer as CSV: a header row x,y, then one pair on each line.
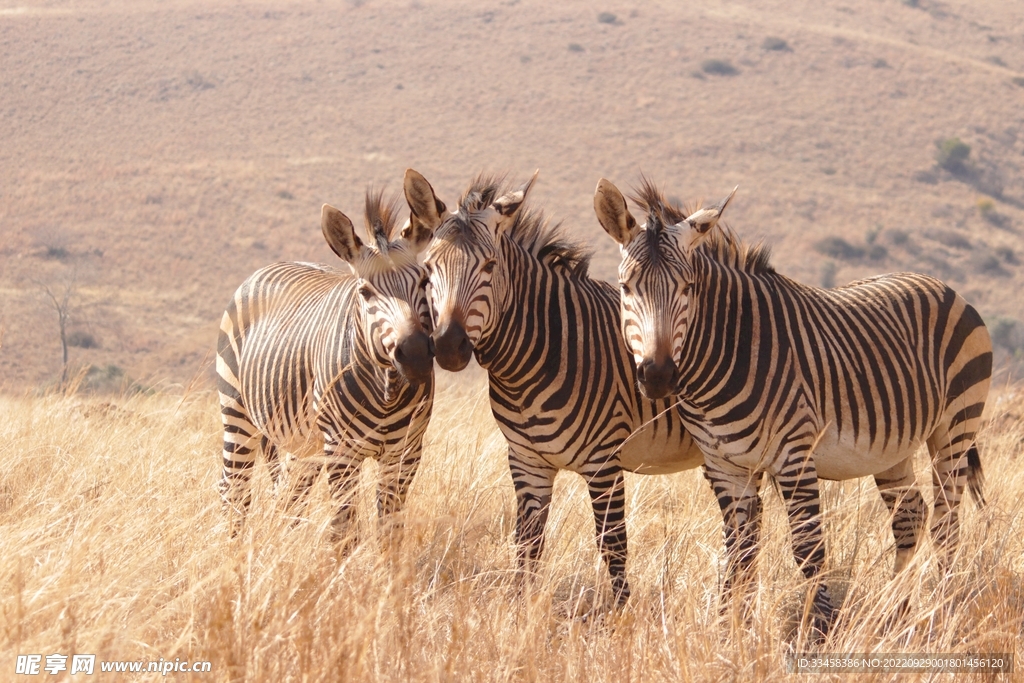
x,y
975,476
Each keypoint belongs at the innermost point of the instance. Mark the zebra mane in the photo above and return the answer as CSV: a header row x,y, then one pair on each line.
x,y
531,229
721,244
725,247
481,193
548,243
381,218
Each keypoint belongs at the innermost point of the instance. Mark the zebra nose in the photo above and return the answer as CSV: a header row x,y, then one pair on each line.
x,y
414,357
657,378
452,347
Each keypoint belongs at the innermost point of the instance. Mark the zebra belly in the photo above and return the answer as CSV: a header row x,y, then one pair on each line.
x,y
839,459
658,451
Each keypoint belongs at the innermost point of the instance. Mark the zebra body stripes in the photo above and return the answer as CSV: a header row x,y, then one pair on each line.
x,y
802,383
562,387
330,367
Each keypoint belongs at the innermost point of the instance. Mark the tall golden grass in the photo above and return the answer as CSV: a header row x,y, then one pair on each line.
x,y
112,542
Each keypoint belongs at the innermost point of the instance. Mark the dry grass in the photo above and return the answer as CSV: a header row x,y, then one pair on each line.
x,y
113,543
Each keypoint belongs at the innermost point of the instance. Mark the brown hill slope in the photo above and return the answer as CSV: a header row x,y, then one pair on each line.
x,y
159,154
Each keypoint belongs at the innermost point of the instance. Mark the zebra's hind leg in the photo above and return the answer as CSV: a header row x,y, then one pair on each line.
x,y
608,498
901,495
533,483
738,495
238,455
954,467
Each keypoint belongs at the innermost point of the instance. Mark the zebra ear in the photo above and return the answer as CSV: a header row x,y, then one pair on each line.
x,y
612,213
340,234
425,210
702,220
508,205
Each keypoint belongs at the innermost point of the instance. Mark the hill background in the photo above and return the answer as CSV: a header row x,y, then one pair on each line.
x,y
154,154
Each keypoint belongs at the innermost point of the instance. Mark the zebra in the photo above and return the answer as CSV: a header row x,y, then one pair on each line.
x,y
802,383
330,366
508,288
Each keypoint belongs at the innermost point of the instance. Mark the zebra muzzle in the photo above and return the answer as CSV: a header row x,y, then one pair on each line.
x,y
414,357
658,379
452,347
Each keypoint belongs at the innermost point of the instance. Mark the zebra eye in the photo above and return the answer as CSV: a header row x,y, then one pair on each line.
x,y
366,292
489,266
626,291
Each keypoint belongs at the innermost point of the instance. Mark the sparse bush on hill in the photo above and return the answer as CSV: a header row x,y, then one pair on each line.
x,y
718,67
828,274
988,264
607,18
1006,333
575,47
1007,254
82,340
880,63
952,154
838,248
1018,80
775,44
897,236
951,239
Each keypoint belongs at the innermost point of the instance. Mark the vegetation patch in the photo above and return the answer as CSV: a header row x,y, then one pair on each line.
x,y
607,18
953,240
774,44
952,154
718,67
838,248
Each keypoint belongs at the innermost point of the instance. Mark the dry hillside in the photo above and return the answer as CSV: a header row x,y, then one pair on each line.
x,y
154,154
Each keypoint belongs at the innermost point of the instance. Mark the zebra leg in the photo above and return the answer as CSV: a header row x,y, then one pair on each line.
x,y
798,481
901,495
950,471
608,498
342,477
906,505
395,477
241,439
533,483
738,497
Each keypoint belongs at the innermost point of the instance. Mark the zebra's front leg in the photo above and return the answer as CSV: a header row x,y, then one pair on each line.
x,y
608,497
395,477
533,483
737,492
798,481
342,476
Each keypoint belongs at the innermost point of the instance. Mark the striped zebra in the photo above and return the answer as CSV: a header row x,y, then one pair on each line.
x,y
802,383
331,366
507,288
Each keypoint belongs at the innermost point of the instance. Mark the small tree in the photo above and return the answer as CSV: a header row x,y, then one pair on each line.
x,y
60,299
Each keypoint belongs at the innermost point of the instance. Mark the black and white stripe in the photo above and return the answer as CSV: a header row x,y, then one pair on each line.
x,y
330,366
802,383
506,288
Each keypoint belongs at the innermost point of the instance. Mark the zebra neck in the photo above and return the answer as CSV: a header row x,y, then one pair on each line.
x,y
521,312
719,333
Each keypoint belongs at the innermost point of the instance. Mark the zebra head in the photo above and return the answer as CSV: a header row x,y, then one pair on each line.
x,y
655,276
391,285
467,278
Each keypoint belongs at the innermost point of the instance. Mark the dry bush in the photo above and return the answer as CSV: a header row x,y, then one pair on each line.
x,y
113,543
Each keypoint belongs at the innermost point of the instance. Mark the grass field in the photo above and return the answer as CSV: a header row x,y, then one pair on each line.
x,y
112,542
